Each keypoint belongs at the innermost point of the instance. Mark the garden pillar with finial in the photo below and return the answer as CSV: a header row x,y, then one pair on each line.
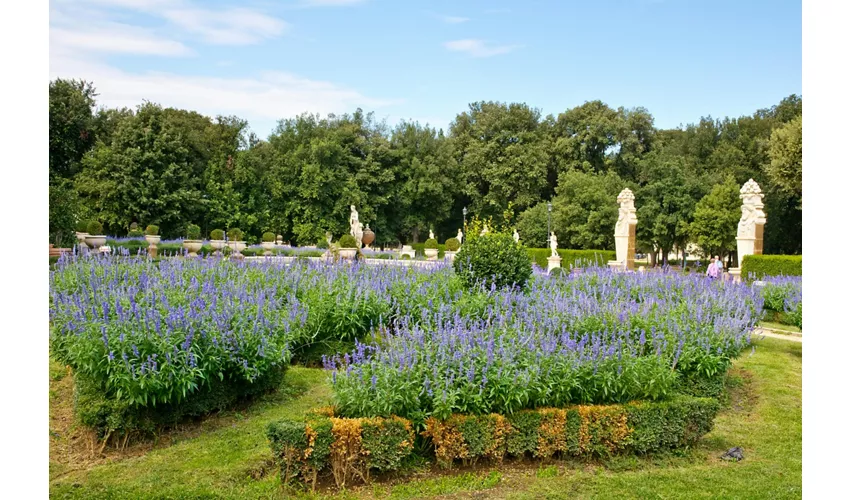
x,y
751,226
625,232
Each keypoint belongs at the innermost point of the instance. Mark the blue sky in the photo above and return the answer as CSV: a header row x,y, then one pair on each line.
x,y
426,61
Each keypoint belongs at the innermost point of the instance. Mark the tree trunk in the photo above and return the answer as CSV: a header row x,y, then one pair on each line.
x,y
664,253
416,234
653,259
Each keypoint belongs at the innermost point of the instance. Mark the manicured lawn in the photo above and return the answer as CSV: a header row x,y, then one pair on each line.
x,y
227,455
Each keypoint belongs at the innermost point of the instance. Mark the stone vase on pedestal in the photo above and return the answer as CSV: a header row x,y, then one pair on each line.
x,y
153,241
368,237
449,255
268,247
193,246
552,262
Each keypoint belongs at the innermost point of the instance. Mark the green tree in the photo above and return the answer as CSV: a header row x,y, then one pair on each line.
x,y
585,209
71,125
785,169
151,172
532,225
503,156
665,203
426,179
716,218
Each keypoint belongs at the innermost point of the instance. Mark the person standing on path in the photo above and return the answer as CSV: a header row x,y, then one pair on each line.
x,y
711,272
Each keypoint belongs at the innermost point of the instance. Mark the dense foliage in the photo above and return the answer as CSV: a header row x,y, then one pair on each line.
x,y
493,259
172,167
759,266
347,241
193,232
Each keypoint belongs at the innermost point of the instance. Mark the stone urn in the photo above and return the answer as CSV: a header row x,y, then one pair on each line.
x,y
347,253
368,236
237,246
153,239
449,255
217,245
268,247
431,253
193,246
81,237
95,241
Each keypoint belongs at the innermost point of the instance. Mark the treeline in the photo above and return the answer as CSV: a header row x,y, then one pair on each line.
x,y
170,167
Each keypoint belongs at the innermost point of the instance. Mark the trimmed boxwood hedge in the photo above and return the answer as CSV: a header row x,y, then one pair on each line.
x,y
352,447
759,266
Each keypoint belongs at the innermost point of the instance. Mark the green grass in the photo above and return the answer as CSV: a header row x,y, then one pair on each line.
x,y
232,459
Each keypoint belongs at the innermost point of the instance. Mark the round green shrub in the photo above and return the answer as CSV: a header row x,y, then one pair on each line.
x,y
235,234
452,244
136,233
217,234
95,228
152,230
268,236
83,226
323,243
347,241
431,243
193,232
493,259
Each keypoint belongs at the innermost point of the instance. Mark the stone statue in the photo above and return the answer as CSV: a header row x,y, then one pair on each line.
x,y
627,215
485,230
553,244
516,236
356,227
751,210
430,234
459,236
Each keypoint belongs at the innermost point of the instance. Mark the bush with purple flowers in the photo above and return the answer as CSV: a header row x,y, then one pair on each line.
x,y
600,337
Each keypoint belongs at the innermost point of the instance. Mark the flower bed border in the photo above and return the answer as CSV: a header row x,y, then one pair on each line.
x,y
352,447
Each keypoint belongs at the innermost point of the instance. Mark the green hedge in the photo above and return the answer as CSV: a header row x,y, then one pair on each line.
x,y
760,266
352,447
115,418
569,257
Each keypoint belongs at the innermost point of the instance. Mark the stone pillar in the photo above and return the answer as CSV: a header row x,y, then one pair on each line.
x,y
553,262
751,226
625,232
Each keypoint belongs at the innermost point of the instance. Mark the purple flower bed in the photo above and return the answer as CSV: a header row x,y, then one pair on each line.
x,y
417,342
597,337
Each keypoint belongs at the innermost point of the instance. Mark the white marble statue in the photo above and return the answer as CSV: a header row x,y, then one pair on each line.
x,y
751,210
459,237
752,216
553,244
356,226
485,230
430,234
516,236
628,214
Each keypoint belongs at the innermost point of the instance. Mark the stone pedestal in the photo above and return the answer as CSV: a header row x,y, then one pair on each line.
x,y
625,231
407,250
553,262
750,236
735,274
616,265
152,250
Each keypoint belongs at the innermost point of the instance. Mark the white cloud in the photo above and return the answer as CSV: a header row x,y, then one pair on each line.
x,y
454,19
214,25
114,38
226,27
478,48
265,98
